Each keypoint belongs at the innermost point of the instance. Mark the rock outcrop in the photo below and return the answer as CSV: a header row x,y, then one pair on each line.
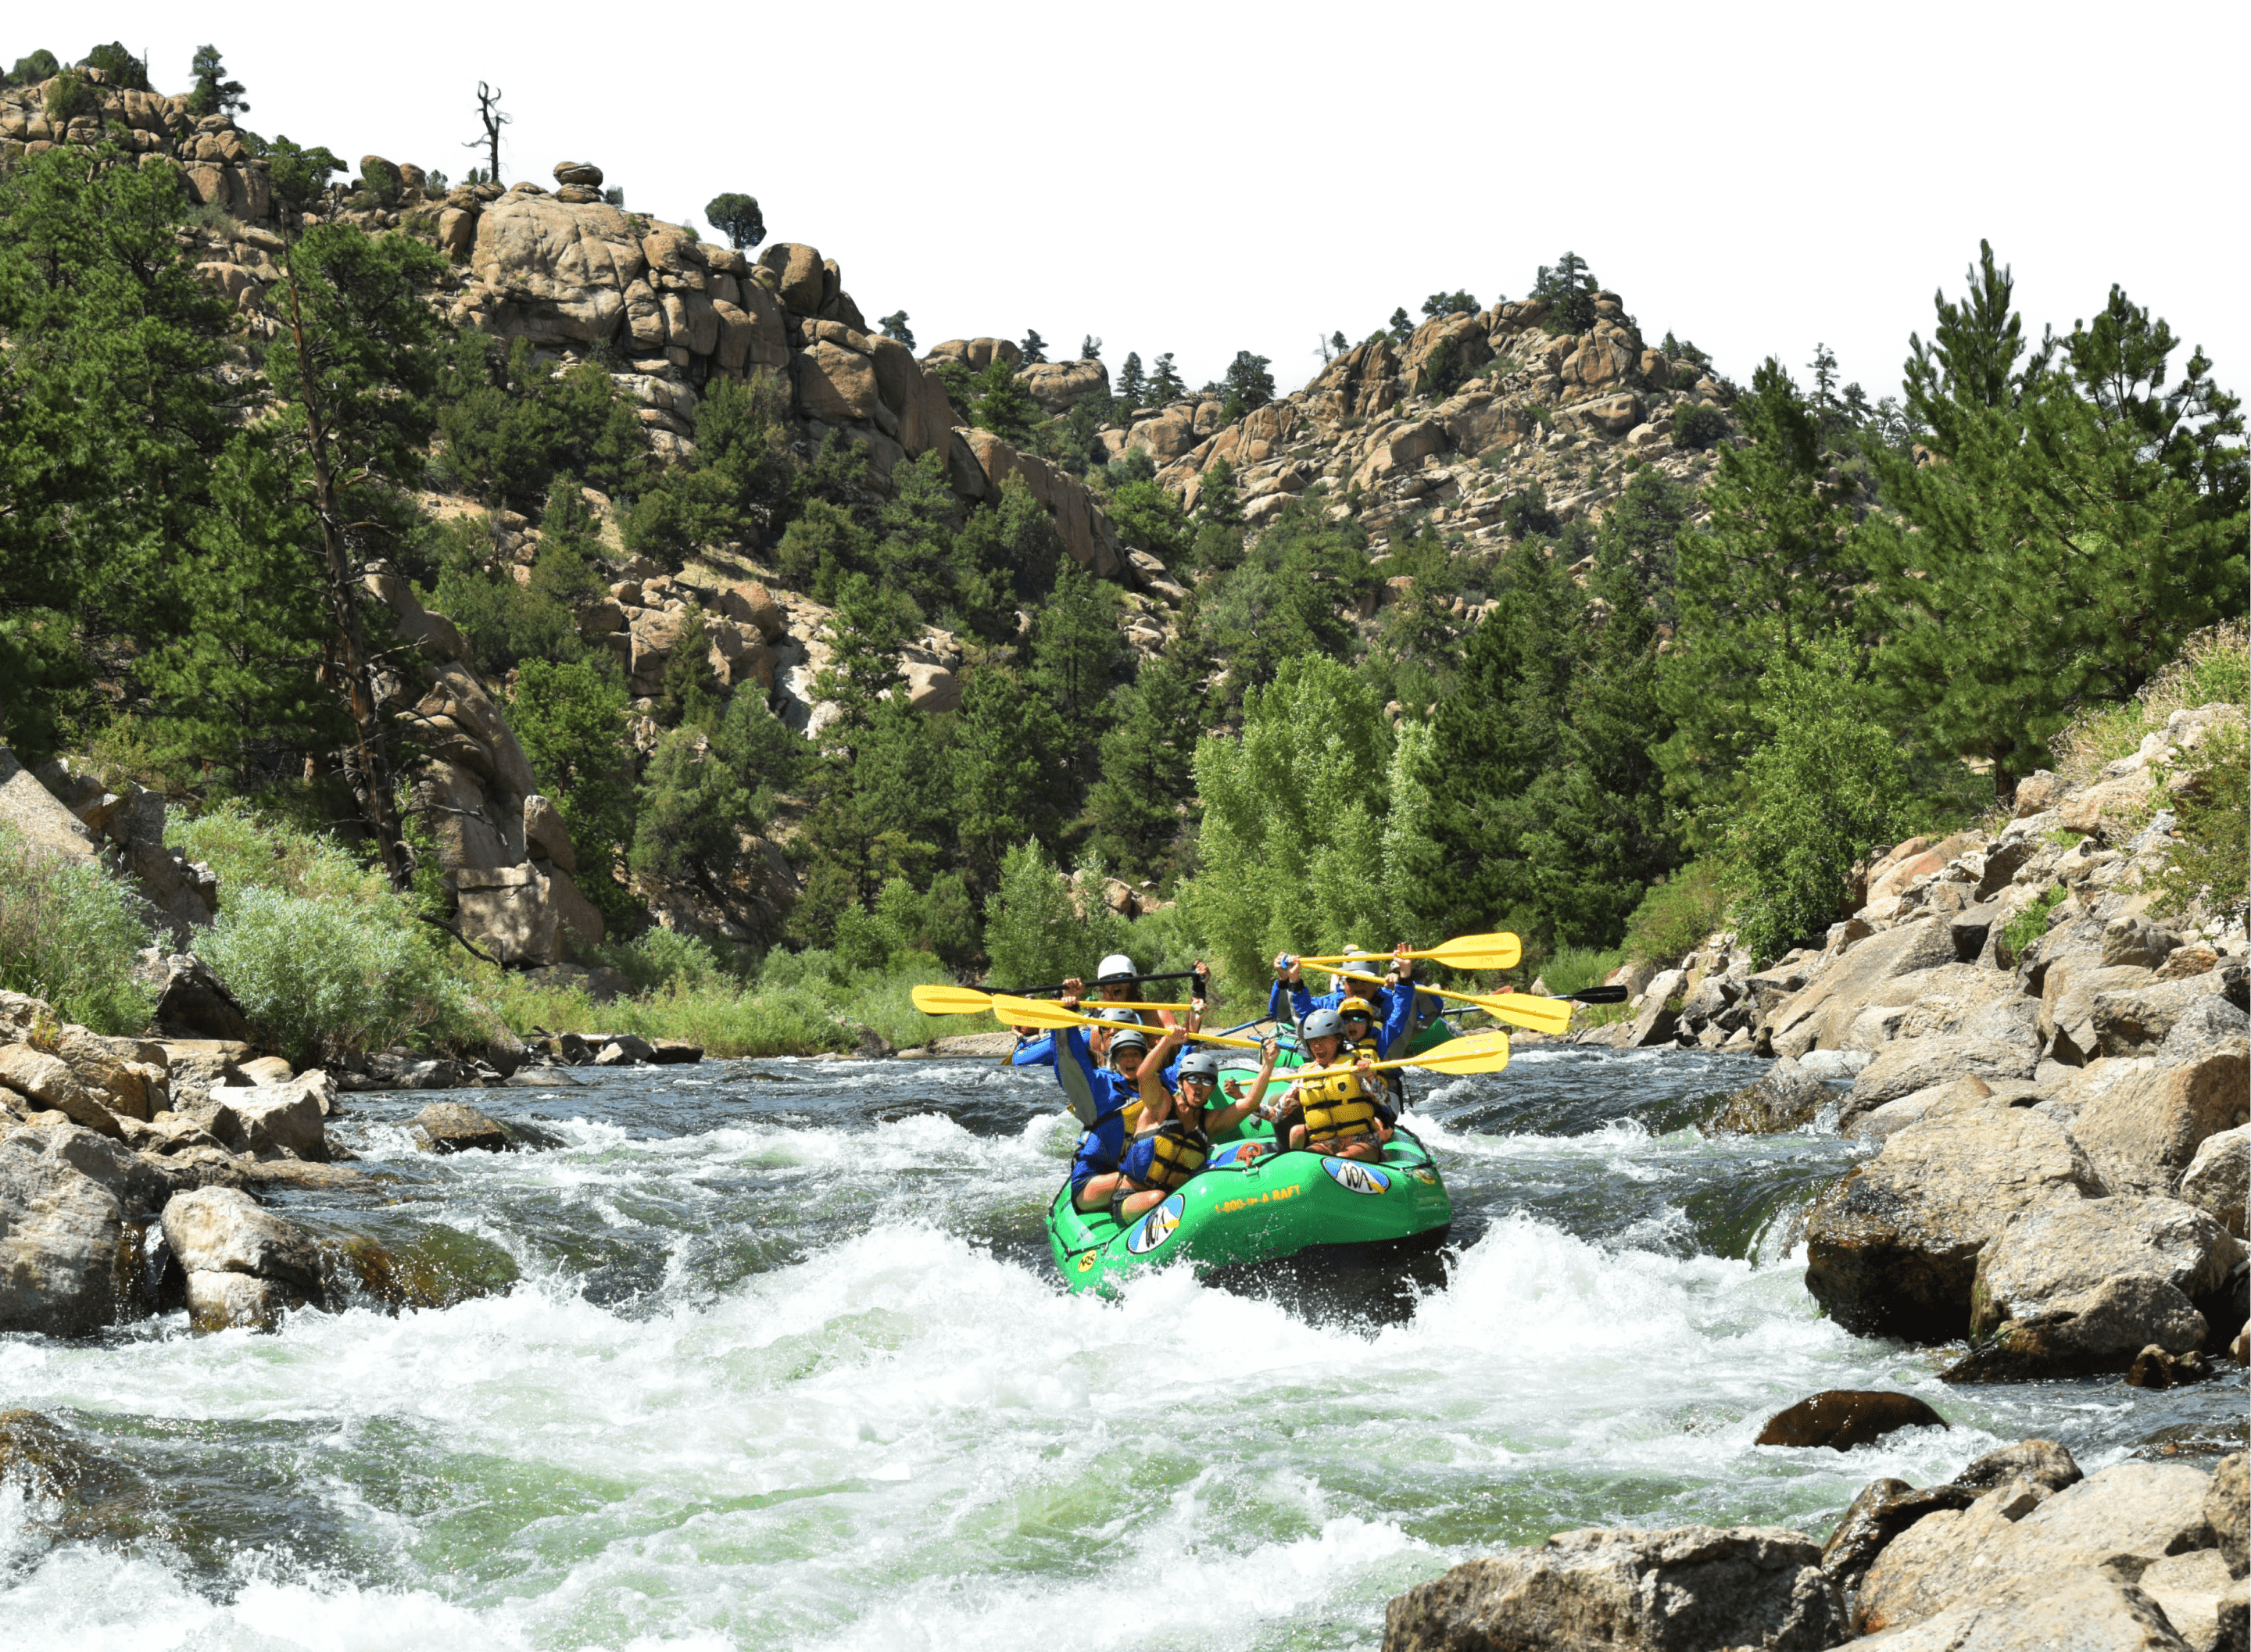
x,y
245,1266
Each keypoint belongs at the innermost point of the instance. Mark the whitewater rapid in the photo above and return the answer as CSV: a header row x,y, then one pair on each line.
x,y
787,1367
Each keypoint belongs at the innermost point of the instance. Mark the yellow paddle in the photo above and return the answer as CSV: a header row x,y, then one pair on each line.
x,y
1500,951
969,1000
1527,1010
1031,1012
1486,1053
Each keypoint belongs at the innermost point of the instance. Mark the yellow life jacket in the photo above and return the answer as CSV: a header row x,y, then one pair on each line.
x,y
1386,1082
1175,1153
1338,1108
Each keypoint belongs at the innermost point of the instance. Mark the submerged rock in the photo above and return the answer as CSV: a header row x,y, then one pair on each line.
x,y
1692,1588
1788,1098
428,1267
1843,1418
77,1494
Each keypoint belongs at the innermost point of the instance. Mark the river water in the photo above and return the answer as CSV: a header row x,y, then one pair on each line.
x,y
787,1366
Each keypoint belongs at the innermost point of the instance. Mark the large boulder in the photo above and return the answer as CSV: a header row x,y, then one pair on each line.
x,y
1786,1098
2227,1509
2142,1132
1843,1418
1884,1508
2075,1285
65,1255
276,1121
192,1002
2018,1542
531,914
2188,1589
2126,1023
243,1265
47,1084
2218,1180
558,270
38,817
1893,1249
1819,1016
1692,1589
1057,386
2076,1609
1914,1064
2070,989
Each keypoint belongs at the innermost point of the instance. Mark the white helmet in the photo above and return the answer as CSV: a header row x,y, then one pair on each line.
x,y
1116,967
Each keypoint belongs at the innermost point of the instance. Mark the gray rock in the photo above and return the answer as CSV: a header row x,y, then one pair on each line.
x,y
276,1120
1893,1249
672,1052
2204,1026
2076,1285
2042,1462
1884,1508
2218,1180
47,1083
977,1044
2188,1587
1657,1022
2068,989
193,1003
2142,1131
625,1049
2074,1610
2124,1023
1693,1589
449,1127
1881,1123
1834,1065
1819,1015
2003,861
1785,1098
1843,1418
1923,1063
2134,941
61,1229
2227,1509
223,1230
2016,1540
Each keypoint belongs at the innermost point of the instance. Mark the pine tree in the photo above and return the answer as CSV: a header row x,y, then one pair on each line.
x,y
737,216
1132,384
1135,807
1010,776
895,326
1001,404
1089,348
1773,567
1164,384
572,722
1034,347
1078,654
1402,325
2083,523
214,94
492,118
1249,384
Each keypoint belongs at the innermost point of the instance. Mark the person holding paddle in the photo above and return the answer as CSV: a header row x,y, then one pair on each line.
x,y
1177,1121
1339,1112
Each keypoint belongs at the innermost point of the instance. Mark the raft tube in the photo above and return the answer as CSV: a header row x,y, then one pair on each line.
x,y
1278,1204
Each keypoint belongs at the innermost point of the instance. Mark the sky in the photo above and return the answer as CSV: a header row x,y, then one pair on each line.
x,y
1208,177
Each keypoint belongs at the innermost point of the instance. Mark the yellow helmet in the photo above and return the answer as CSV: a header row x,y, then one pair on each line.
x,y
1356,1005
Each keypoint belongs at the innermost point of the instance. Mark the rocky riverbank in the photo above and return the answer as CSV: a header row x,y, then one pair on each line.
x,y
2018,1550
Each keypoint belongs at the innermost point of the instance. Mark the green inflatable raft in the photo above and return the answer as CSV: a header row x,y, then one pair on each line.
x,y
1278,1204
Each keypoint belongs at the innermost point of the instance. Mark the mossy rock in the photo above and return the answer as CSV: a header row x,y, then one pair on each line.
x,y
79,1496
424,1267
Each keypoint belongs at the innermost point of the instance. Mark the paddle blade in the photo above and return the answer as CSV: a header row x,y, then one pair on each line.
x,y
951,1001
1031,1012
1486,1053
1500,951
1529,1011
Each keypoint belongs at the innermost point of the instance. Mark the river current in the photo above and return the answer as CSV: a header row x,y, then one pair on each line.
x,y
787,1365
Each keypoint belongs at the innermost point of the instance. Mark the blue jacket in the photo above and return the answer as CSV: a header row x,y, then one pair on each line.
x,y
1394,1006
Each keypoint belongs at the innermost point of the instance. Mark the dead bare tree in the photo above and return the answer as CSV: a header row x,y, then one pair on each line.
x,y
488,111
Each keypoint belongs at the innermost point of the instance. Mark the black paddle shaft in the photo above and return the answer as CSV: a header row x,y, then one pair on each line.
x,y
1599,995
1028,992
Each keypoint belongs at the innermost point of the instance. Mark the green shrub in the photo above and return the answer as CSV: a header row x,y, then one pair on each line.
x,y
1699,425
69,96
1573,969
2028,927
42,64
1675,916
70,934
2212,801
250,850
325,978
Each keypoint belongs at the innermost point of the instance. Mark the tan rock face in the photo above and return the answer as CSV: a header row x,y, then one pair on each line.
x,y
2219,1179
48,1083
1169,436
562,270
975,354
2048,1272
1086,534
835,384
1458,341
799,278
2142,1132
526,915
583,172
546,835
1056,386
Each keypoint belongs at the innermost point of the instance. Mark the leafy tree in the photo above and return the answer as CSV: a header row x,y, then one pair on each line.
x,y
1249,384
1132,384
895,326
502,620
490,118
1568,289
1773,567
1164,384
1089,348
738,217
214,94
1032,931
1699,425
1035,347
300,175
685,824
1136,806
1001,404
571,719
35,66
119,66
2084,521
2212,797
1013,545
692,696
1454,303
1292,818
866,627
1825,788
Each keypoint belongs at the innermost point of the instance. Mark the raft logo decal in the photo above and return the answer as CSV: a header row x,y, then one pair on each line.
x,y
1428,1178
1157,1227
1356,1178
1086,1262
